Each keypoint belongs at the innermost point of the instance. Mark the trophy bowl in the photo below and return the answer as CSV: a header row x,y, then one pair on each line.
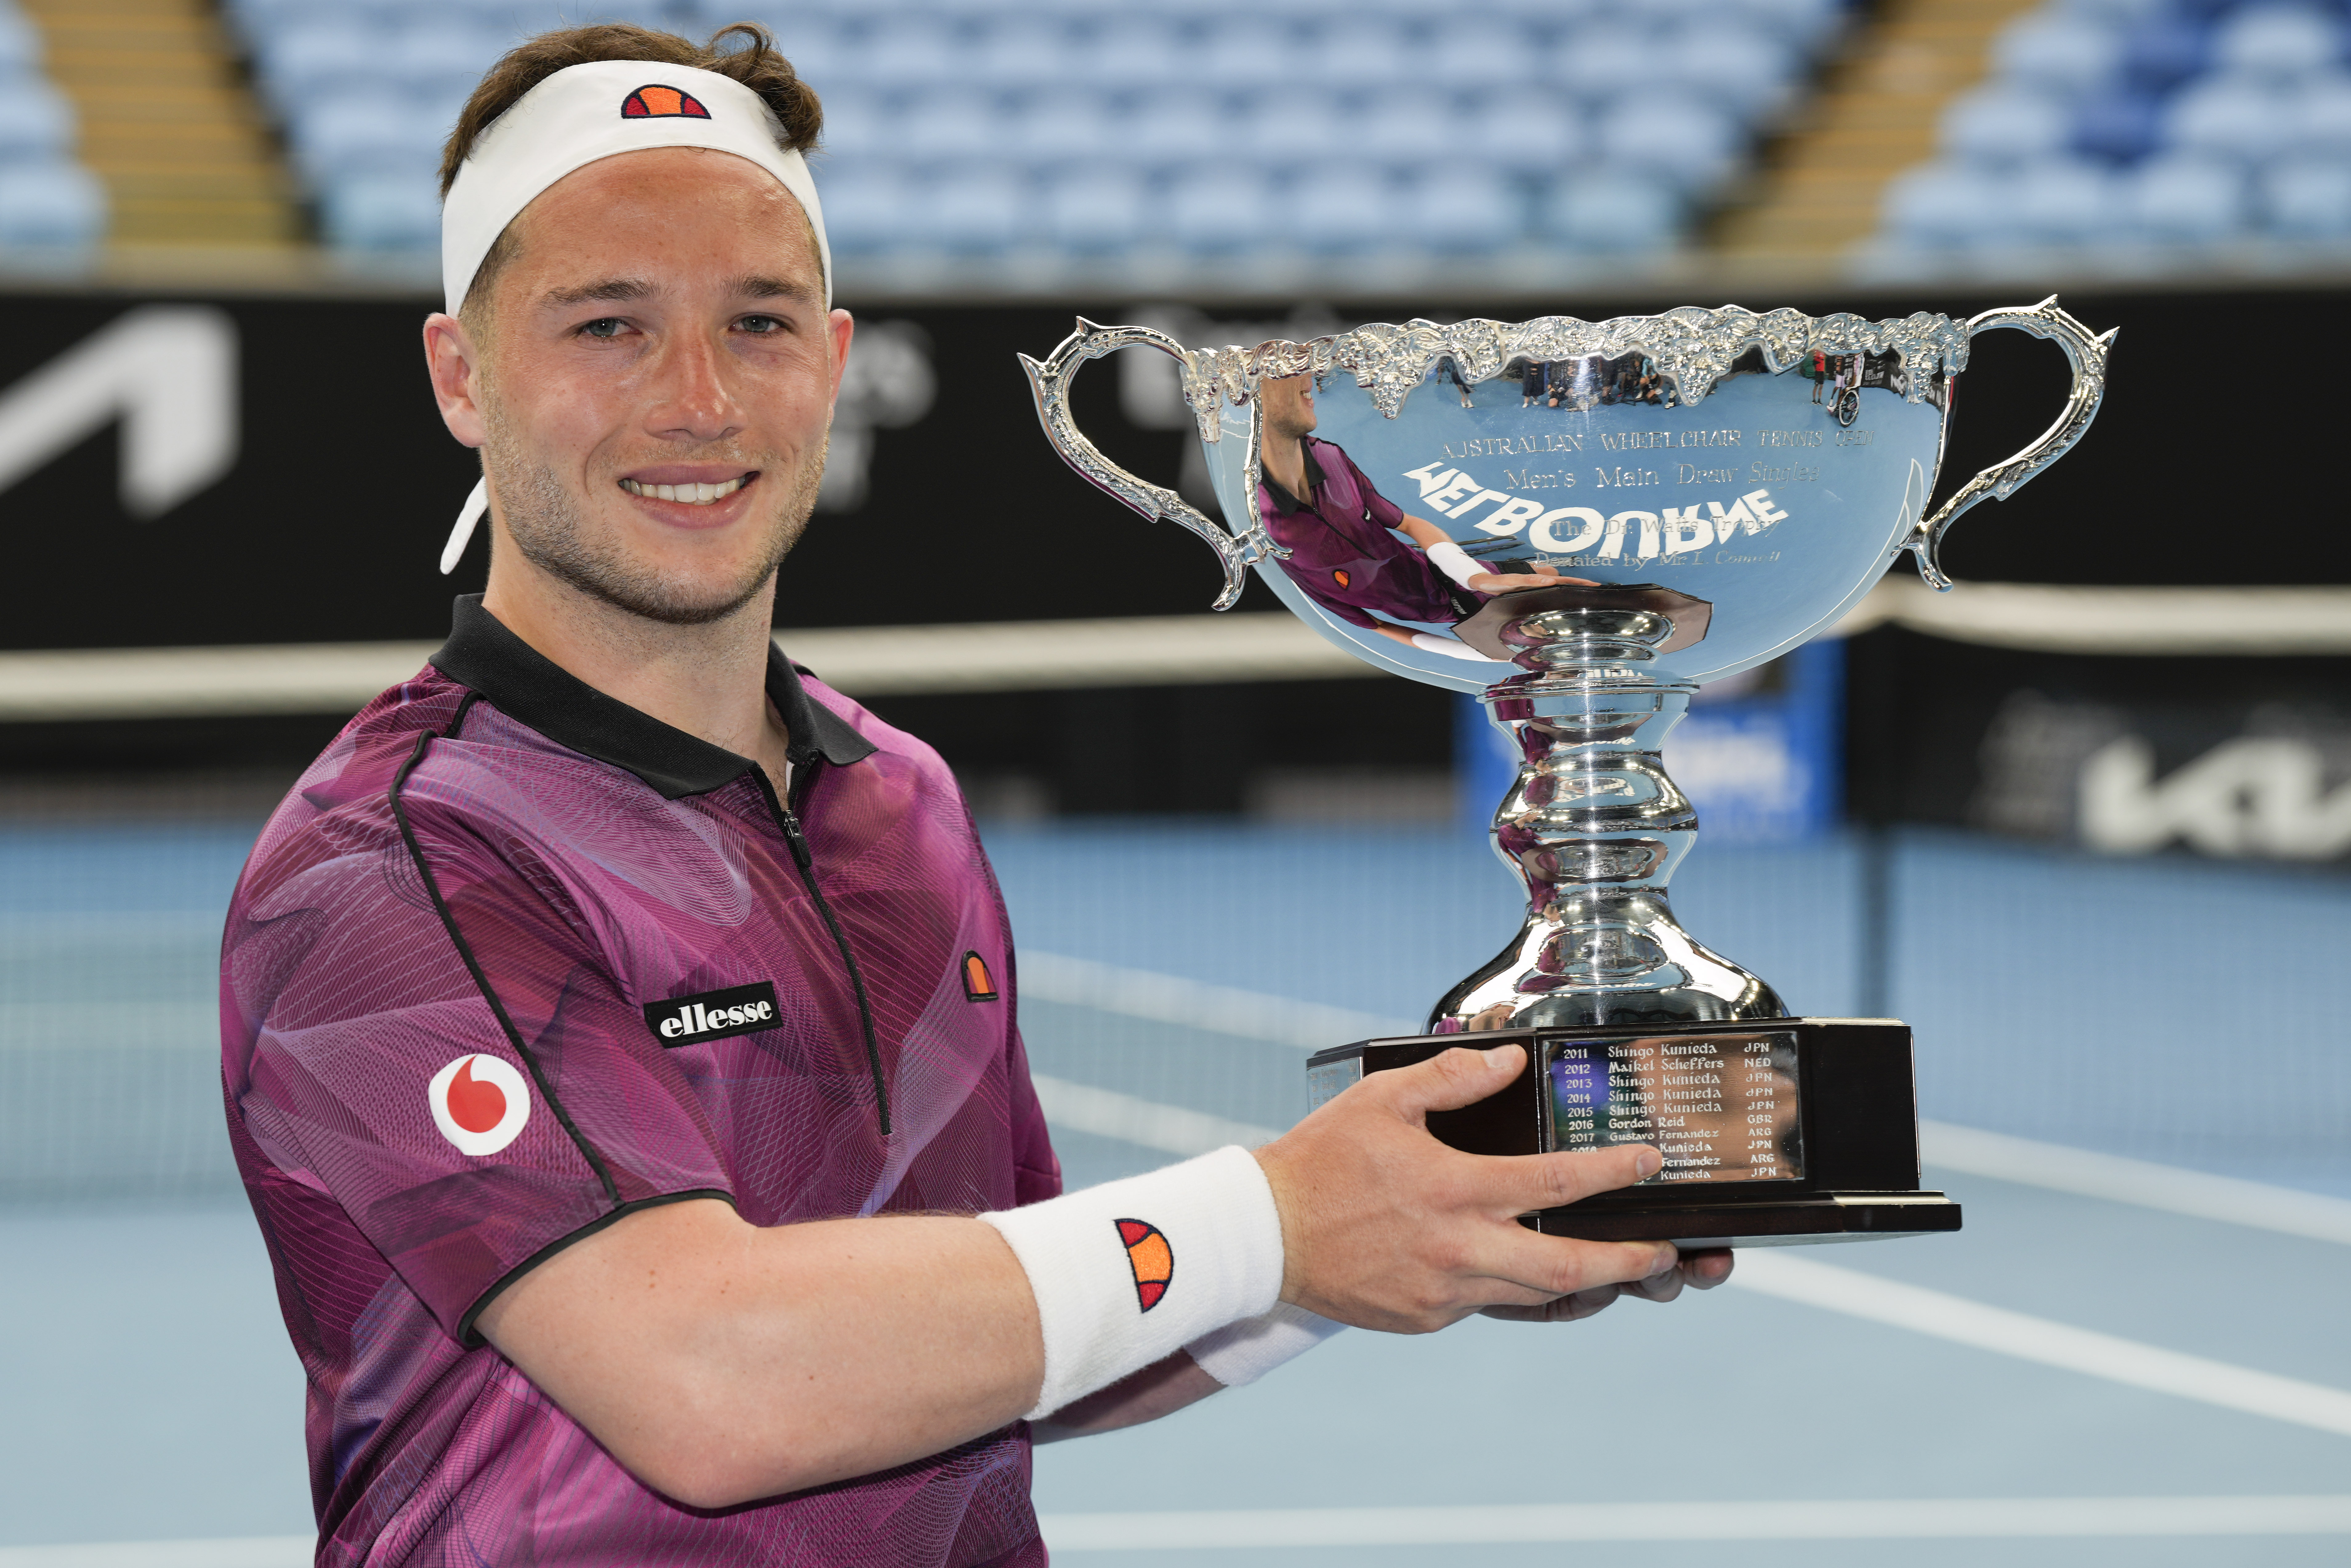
x,y
1580,522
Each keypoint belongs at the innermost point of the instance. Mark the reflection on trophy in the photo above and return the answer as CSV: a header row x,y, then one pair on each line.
x,y
1581,522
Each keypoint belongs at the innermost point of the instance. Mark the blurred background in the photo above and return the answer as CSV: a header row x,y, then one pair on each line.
x,y
2085,822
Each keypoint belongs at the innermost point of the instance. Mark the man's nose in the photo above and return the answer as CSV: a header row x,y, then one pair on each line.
x,y
693,395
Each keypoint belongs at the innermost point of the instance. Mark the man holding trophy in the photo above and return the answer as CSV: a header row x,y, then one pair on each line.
x,y
618,1032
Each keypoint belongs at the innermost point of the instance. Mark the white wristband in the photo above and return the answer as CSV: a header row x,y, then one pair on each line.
x,y
1245,1351
1452,647
1454,562
1129,1272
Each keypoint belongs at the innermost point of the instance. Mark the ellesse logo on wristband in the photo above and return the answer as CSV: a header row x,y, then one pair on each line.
x,y
713,1015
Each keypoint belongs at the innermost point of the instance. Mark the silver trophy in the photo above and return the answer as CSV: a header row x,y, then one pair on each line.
x,y
1582,522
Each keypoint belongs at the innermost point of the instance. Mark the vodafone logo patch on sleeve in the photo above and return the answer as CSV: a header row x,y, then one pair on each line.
x,y
480,1103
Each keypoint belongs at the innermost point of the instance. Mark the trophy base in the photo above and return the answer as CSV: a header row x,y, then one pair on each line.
x,y
1837,1216
1775,1131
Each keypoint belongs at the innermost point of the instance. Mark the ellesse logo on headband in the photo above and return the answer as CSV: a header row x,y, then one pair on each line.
x,y
654,102
713,1015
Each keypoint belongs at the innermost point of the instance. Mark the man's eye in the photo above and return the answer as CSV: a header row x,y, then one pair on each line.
x,y
761,324
604,326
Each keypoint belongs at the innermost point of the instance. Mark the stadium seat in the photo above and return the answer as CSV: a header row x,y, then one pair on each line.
x,y
1808,26
2322,116
1489,56
1252,53
1531,133
2277,41
914,53
2166,50
36,122
1605,212
1453,210
1025,54
1059,128
1938,206
1402,125
1596,63
1738,65
325,55
2061,201
2066,54
20,41
1096,210
1135,52
1286,129
1222,207
1361,51
2307,199
51,205
2188,199
2001,124
364,133
2122,125
382,213
869,204
2229,117
1678,136
948,124
1345,207
976,208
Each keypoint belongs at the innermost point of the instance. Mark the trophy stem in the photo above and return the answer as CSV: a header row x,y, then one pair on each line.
x,y
1593,828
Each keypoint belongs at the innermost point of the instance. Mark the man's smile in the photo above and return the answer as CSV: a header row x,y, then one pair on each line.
x,y
687,490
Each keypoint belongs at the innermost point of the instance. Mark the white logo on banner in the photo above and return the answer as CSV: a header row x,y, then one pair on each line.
x,y
2254,796
480,1103
167,371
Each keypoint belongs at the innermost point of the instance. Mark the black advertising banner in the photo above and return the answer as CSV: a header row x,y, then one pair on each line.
x,y
187,471
2234,759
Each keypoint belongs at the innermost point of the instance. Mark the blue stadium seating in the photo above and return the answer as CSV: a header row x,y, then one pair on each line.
x,y
1107,128
2178,124
48,201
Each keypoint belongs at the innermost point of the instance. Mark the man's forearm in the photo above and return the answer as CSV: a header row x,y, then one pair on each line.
x,y
722,1362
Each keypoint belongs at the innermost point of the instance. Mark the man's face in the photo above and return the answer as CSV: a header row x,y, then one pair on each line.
x,y
654,394
1288,407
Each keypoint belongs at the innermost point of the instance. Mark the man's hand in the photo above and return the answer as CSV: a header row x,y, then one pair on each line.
x,y
1504,581
1386,1227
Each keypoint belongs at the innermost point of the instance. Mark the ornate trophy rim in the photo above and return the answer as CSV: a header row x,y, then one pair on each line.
x,y
1692,346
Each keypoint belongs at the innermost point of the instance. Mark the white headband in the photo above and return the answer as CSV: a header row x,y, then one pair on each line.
x,y
575,118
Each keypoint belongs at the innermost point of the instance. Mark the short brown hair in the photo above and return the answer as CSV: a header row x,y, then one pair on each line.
x,y
751,59
745,51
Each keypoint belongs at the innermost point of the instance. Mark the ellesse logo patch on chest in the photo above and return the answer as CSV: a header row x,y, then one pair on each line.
x,y
713,1015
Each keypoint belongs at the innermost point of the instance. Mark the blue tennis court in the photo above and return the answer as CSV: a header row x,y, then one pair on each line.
x,y
2076,1379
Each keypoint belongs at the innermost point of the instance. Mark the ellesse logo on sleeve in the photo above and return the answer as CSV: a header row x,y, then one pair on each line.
x,y
713,1015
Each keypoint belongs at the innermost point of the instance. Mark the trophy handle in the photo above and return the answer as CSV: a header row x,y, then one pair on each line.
x,y
2087,354
1051,381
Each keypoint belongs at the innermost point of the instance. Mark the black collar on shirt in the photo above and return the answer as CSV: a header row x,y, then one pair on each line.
x,y
525,685
1283,501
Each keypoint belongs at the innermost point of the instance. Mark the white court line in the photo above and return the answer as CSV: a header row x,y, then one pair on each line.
x,y
245,1551
1170,1129
2196,1193
1909,1519
1891,1519
1310,1026
1942,1316
1195,1004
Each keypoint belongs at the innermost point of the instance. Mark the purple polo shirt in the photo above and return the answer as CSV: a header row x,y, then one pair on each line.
x,y
1342,553
513,961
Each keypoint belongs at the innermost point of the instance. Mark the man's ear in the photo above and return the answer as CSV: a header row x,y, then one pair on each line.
x,y
455,364
839,326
